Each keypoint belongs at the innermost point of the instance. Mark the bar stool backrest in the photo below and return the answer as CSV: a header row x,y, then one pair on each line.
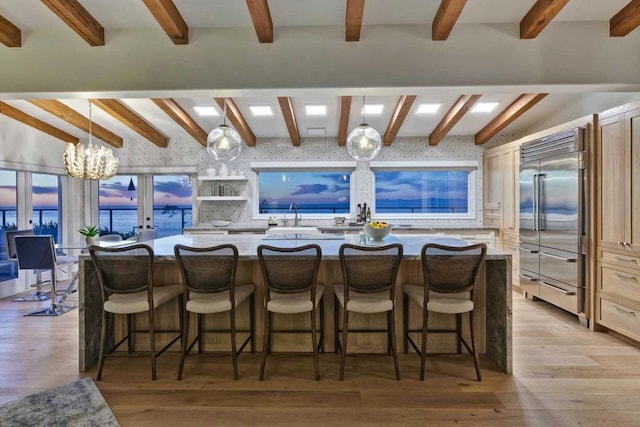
x,y
369,269
35,252
207,270
123,270
10,235
290,270
452,269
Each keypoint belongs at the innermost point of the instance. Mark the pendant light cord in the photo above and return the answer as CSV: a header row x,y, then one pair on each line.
x,y
363,104
224,111
90,127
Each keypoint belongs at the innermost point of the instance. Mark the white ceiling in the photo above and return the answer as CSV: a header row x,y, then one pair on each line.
x,y
33,17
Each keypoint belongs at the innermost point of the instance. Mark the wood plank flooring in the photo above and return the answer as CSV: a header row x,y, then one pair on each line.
x,y
564,375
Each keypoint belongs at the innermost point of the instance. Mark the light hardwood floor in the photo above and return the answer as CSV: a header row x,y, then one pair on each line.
x,y
563,375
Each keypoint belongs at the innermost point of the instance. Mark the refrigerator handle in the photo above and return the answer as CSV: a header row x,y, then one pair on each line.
x,y
535,202
539,196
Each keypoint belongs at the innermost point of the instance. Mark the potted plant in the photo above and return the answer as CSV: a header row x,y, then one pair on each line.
x,y
90,232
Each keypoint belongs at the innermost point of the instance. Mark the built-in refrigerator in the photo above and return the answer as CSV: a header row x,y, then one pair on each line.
x,y
553,218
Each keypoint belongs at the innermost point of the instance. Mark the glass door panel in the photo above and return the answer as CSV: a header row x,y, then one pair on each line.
x,y
46,202
119,206
9,221
172,204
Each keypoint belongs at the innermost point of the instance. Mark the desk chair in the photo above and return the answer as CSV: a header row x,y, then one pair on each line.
x,y
39,294
38,253
125,276
369,282
290,277
208,276
450,276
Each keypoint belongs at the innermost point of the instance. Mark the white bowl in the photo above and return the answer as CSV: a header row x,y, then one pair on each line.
x,y
221,223
376,233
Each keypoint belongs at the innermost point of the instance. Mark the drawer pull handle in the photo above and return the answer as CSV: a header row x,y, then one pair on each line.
x,y
626,260
528,250
627,312
623,277
555,288
529,278
558,257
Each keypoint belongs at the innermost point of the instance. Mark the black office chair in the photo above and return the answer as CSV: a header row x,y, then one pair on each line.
x,y
39,253
39,294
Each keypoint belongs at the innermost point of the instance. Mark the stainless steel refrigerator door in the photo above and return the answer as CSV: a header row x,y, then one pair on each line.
x,y
528,177
559,202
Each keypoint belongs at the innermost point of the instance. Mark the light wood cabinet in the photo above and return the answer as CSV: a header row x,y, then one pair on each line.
x,y
618,215
501,189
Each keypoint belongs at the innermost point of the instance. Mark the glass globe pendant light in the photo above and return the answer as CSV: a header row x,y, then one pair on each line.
x,y
364,142
224,143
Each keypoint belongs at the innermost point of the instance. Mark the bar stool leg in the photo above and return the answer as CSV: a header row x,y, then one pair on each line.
x,y
314,337
266,344
345,328
405,323
321,344
152,342
183,343
103,345
476,360
423,344
252,321
129,334
459,332
234,354
392,333
200,321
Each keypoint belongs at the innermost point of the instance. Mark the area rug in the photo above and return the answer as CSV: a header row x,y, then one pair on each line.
x,y
75,404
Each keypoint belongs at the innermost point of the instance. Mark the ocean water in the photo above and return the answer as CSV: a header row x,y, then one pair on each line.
x,y
168,222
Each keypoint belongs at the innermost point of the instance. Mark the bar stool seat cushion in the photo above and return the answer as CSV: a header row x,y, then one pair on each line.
x,y
293,303
377,302
138,302
65,259
452,303
203,303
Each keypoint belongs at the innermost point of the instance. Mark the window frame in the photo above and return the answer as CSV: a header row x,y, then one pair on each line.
x,y
258,167
470,166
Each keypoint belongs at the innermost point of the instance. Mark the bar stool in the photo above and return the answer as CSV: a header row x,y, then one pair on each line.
x,y
39,294
39,253
450,275
208,276
125,276
369,278
290,277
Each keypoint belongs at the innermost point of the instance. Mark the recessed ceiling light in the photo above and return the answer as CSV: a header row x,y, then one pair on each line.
x,y
428,108
206,111
261,110
484,107
316,110
373,108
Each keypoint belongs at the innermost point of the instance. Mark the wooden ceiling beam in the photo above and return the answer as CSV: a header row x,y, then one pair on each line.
x,y
353,20
237,120
76,119
122,113
540,14
170,19
625,21
453,116
343,127
182,118
290,119
28,120
79,19
516,109
261,17
446,18
399,115
10,35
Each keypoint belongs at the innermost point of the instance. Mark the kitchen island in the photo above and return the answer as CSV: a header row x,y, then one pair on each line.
x,y
492,299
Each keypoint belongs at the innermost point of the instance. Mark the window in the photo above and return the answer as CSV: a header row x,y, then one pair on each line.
x,y
8,209
118,206
171,204
430,190
321,190
46,201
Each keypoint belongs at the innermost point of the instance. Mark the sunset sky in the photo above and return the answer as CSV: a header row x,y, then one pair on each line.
x,y
304,187
168,190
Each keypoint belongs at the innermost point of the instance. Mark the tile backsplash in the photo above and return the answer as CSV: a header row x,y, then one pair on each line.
x,y
186,152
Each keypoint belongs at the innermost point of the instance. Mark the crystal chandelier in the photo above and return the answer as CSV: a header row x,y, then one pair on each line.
x,y
90,161
224,143
364,142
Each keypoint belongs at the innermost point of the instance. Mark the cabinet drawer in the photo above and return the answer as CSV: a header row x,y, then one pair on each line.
x,y
620,283
620,260
492,221
560,294
619,317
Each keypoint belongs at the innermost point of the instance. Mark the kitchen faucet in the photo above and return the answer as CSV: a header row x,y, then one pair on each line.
x,y
296,218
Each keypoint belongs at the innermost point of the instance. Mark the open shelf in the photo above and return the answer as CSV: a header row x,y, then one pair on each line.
x,y
222,178
220,198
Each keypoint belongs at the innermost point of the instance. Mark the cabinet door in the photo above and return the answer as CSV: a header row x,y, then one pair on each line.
x,y
632,121
493,183
612,189
508,195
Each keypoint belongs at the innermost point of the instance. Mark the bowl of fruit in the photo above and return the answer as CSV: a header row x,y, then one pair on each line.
x,y
377,230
